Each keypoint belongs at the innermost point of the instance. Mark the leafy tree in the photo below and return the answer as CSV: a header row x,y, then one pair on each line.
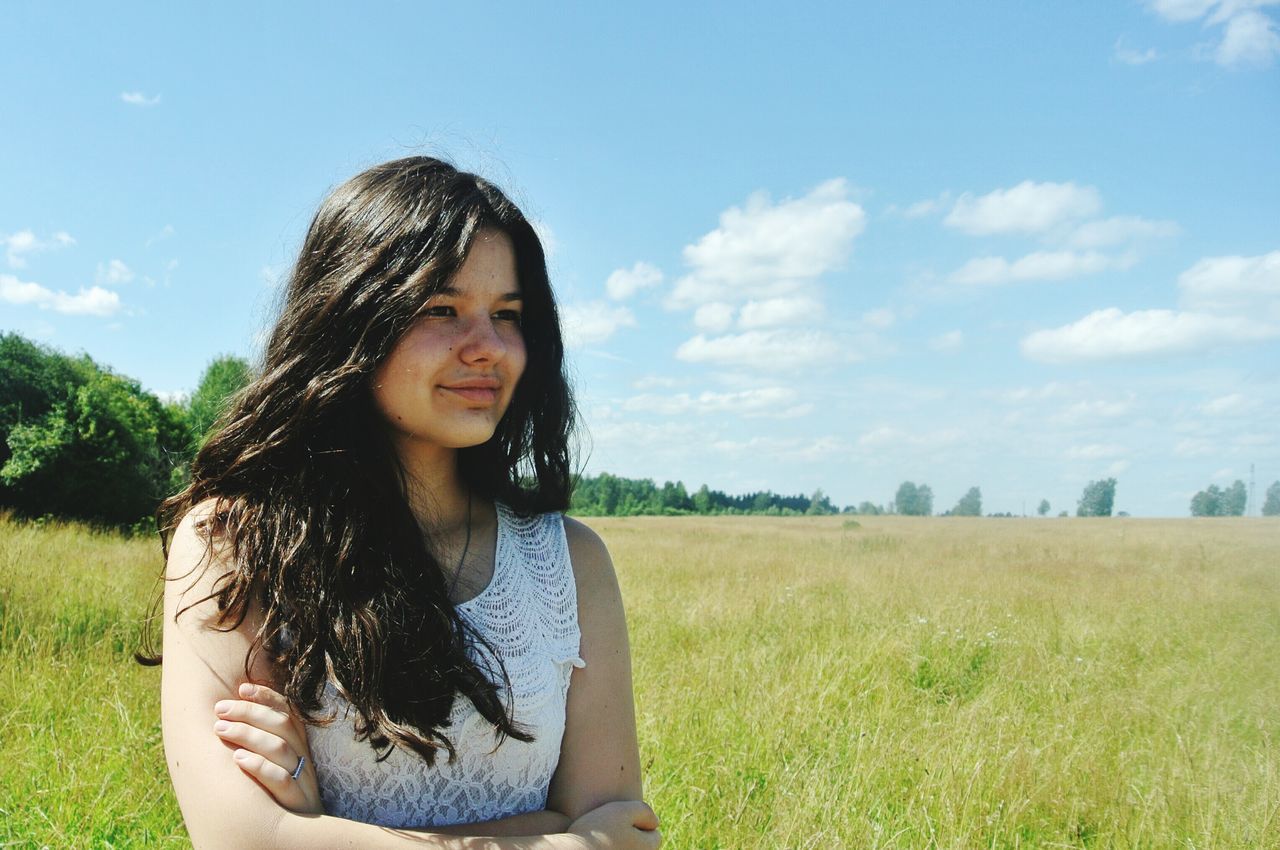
x,y
970,504
1235,499
1271,504
702,500
1208,502
869,509
222,379
105,453
1043,510
819,504
913,500
1098,498
1271,500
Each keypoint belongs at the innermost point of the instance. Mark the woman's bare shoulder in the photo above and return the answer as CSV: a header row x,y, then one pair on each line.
x,y
592,567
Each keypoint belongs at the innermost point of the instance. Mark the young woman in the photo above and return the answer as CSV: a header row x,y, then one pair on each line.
x,y
379,629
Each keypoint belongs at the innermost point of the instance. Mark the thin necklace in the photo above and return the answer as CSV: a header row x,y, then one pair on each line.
x,y
457,574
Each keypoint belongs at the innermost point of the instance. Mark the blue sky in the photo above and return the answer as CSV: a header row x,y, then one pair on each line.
x,y
1018,246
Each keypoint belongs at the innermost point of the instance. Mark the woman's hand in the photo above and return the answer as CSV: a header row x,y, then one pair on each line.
x,y
620,825
269,742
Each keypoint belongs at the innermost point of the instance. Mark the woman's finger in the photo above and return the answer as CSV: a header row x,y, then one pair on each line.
x,y
264,695
253,714
278,781
270,746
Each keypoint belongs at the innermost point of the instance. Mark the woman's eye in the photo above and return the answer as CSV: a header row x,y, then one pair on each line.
x,y
508,316
438,310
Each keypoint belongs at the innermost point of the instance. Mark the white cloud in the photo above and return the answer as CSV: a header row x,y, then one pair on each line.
x,y
785,448
1091,410
769,350
772,312
623,283
888,437
651,382
1245,286
19,245
1026,208
770,402
1181,10
1129,56
137,98
765,250
1096,451
881,318
1110,333
94,301
1250,39
714,317
114,272
1118,230
927,207
594,322
948,342
165,233
1040,265
1228,405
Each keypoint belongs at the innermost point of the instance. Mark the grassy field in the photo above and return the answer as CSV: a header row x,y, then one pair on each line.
x,y
801,683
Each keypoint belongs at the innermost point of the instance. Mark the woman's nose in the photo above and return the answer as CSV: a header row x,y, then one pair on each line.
x,y
482,343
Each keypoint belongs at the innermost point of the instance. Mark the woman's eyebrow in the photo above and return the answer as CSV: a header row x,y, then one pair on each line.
x,y
454,292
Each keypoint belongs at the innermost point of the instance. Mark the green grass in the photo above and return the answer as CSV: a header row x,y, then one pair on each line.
x,y
800,683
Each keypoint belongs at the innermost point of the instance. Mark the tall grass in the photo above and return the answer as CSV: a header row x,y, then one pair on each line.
x,y
800,683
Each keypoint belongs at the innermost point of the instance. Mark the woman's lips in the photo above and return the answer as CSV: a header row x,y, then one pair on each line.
x,y
485,392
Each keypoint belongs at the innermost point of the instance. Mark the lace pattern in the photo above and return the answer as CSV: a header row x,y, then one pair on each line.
x,y
529,615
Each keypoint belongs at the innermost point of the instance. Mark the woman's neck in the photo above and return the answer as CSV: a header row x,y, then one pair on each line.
x,y
437,497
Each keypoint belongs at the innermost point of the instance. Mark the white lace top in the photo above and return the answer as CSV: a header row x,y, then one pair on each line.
x,y
529,614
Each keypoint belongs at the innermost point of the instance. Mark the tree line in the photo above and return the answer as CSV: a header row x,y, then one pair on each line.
x,y
79,441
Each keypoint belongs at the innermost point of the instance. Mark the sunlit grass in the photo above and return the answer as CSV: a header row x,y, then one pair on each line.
x,y
800,682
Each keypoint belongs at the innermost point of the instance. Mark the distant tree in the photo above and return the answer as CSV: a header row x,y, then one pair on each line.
x,y
913,500
1044,507
222,379
702,500
1098,498
819,504
1235,499
869,509
1063,513
970,503
1271,505
1208,502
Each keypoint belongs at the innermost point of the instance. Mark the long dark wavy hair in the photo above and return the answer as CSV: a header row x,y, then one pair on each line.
x,y
309,494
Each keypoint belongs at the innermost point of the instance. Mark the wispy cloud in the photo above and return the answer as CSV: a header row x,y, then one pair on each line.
x,y
18,246
761,402
1249,37
137,98
113,272
624,283
1130,56
765,249
1028,207
1112,333
1234,285
1040,265
94,301
593,322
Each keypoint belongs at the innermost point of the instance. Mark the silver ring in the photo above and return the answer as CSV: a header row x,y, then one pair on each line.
x,y
297,771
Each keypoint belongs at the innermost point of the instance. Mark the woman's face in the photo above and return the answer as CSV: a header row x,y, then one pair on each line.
x,y
450,378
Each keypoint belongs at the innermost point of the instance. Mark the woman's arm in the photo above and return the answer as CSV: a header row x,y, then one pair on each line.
x,y
222,810
599,756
